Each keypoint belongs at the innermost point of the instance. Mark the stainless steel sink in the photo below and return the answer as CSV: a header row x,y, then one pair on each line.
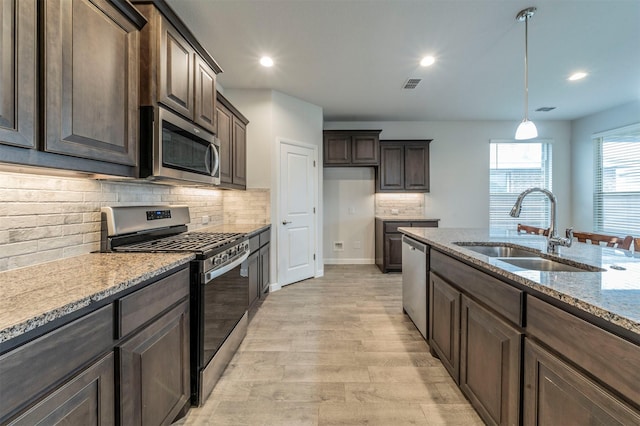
x,y
499,250
548,265
525,258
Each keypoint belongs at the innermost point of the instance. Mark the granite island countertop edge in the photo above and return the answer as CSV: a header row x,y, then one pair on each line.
x,y
435,237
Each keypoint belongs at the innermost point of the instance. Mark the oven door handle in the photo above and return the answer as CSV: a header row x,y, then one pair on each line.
x,y
211,275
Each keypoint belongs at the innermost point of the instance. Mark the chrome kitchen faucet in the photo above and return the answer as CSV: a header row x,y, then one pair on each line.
x,y
553,239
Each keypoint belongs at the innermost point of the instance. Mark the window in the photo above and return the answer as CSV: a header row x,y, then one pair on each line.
x,y
616,197
516,166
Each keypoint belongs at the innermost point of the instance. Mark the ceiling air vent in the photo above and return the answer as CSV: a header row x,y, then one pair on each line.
x,y
545,109
411,83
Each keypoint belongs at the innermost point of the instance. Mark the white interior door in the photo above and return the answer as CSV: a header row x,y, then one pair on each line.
x,y
296,222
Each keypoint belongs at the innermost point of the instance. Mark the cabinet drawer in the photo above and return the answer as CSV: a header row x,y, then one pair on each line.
x,y
425,224
499,296
265,237
137,308
36,367
393,226
606,356
254,243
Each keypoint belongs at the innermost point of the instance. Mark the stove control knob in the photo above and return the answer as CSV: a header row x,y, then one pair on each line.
x,y
225,257
217,261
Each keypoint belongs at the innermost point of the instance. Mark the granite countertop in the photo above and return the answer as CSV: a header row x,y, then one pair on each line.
x,y
612,294
34,296
248,229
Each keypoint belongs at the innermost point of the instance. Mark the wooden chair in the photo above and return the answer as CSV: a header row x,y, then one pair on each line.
x,y
532,230
610,240
636,245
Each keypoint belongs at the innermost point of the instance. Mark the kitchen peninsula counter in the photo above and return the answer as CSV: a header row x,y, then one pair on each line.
x,y
612,295
37,296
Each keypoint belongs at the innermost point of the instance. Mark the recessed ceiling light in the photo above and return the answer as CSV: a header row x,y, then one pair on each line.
x,y
266,61
427,61
577,76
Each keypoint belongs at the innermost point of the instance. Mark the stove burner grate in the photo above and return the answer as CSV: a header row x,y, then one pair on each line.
x,y
192,241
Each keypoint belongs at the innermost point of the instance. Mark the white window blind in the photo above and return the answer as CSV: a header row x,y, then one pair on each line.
x,y
616,198
516,166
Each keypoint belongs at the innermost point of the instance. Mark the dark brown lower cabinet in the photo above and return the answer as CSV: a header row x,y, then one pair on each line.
x,y
264,269
154,370
253,265
444,324
555,393
86,399
388,245
258,265
490,364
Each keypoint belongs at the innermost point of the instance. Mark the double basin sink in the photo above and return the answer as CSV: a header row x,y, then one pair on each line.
x,y
526,258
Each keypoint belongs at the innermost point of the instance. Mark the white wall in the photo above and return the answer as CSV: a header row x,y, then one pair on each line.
x,y
459,171
274,116
349,211
582,156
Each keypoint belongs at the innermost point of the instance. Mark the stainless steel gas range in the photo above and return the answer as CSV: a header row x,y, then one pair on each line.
x,y
219,281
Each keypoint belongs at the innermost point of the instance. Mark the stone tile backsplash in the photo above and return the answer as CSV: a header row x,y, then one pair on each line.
x,y
44,218
400,204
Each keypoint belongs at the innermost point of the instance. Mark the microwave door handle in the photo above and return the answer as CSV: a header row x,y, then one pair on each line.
x,y
208,159
215,160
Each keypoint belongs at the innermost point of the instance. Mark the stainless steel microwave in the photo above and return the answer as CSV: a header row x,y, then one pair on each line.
x,y
173,149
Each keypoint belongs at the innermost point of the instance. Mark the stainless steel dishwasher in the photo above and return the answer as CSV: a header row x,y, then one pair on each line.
x,y
414,282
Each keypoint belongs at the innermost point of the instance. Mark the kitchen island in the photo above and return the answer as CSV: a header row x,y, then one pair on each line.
x,y
531,346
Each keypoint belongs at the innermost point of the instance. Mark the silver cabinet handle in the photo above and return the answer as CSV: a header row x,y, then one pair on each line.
x,y
286,222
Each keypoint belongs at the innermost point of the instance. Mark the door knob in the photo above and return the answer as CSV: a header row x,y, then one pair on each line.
x,y
286,222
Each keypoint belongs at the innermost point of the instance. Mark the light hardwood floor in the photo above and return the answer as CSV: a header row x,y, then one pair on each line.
x,y
335,351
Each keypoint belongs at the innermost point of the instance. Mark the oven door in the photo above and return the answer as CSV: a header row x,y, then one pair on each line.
x,y
219,322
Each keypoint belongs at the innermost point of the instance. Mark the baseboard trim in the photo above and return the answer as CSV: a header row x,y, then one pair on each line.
x,y
329,261
274,287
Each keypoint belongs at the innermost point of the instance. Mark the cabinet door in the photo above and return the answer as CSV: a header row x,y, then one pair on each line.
x,y
264,269
91,81
205,95
254,276
490,352
224,119
18,72
391,172
444,324
154,370
557,394
393,252
416,167
175,85
87,399
364,149
337,149
239,146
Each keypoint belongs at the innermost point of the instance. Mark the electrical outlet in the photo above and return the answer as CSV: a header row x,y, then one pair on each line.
x,y
357,245
205,219
395,211
338,246
352,210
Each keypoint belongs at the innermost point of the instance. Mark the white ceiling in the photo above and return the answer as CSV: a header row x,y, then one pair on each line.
x,y
352,57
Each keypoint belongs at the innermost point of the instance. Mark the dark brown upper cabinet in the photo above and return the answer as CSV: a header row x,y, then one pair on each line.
x,y
175,70
348,148
205,95
91,81
18,73
69,83
232,132
404,166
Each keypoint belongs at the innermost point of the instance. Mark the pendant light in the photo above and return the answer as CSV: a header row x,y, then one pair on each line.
x,y
526,129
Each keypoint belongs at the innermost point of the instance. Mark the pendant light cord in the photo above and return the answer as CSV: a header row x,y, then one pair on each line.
x,y
526,68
